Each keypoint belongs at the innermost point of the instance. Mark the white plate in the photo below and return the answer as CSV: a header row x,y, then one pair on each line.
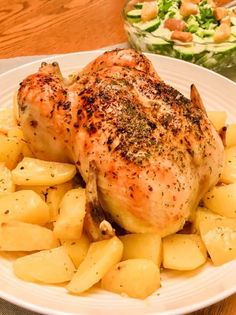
x,y
180,293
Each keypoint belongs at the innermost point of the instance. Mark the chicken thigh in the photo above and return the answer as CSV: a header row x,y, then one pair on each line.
x,y
154,151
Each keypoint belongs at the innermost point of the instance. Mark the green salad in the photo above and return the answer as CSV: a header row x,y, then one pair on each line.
x,y
192,30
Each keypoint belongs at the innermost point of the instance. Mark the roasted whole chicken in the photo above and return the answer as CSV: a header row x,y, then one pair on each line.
x,y
146,152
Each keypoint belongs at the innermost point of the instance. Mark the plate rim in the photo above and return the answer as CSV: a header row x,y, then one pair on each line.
x,y
180,311
185,309
102,50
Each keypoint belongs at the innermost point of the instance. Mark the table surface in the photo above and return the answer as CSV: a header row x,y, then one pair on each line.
x,y
42,27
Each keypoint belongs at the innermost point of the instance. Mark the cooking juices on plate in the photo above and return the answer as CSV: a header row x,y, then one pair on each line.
x,y
195,30
147,158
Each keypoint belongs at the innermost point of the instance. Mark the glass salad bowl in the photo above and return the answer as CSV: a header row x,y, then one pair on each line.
x,y
201,34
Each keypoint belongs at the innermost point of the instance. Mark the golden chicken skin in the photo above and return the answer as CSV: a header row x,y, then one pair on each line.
x,y
151,152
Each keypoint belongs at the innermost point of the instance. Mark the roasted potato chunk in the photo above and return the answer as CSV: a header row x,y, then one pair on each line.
x,y
69,224
222,200
6,183
100,258
52,195
147,246
10,150
219,237
25,206
183,252
48,266
137,278
20,236
201,215
218,118
7,119
230,136
228,175
37,172
77,250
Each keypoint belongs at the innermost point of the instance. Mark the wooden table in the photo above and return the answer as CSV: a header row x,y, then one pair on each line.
x,y
40,27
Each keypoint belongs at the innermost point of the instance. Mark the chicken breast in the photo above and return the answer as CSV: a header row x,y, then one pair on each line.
x,y
154,151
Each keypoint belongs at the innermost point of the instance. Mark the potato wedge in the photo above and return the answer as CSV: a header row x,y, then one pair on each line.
x,y
218,118
147,246
100,258
222,200
183,252
48,266
6,183
52,195
77,250
37,172
228,175
69,224
10,150
201,215
25,206
219,237
137,278
20,236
